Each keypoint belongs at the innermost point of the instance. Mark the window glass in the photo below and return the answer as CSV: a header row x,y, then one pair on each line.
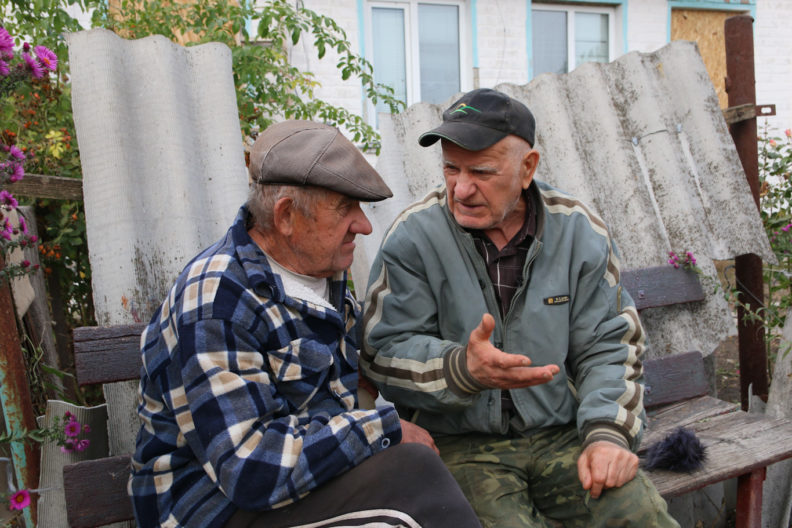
x,y
390,65
438,49
549,41
591,38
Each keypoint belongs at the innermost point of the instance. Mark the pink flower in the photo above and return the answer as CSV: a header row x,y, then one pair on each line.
x,y
7,199
16,153
785,228
19,500
788,132
33,66
68,447
72,428
23,224
6,43
25,263
17,172
4,69
82,445
46,57
772,143
34,238
86,428
7,230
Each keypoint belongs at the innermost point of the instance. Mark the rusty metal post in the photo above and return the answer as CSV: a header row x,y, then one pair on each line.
x,y
741,87
15,396
749,499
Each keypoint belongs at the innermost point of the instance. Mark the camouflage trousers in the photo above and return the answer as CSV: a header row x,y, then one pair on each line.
x,y
533,482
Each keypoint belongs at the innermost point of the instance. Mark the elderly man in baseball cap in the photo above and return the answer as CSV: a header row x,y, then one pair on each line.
x,y
248,394
495,317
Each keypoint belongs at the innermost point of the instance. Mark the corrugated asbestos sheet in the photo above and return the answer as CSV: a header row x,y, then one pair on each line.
x,y
643,142
163,174
162,161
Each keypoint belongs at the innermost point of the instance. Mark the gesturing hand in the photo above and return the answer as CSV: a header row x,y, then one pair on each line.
x,y
497,369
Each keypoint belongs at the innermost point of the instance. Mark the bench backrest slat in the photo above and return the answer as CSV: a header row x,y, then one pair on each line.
x,y
662,286
105,354
673,378
96,491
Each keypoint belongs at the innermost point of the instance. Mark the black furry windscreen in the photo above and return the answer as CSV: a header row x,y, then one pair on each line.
x,y
680,451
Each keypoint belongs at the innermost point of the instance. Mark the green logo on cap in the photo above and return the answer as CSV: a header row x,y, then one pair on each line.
x,y
462,107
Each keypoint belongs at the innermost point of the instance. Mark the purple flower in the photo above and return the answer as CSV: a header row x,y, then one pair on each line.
x,y
82,445
16,153
6,42
7,199
23,224
19,500
68,447
7,230
72,428
33,66
25,46
4,69
46,57
785,228
17,172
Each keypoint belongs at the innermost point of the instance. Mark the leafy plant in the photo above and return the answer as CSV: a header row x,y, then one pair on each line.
x,y
268,86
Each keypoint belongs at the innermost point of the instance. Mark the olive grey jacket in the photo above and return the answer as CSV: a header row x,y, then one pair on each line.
x,y
429,288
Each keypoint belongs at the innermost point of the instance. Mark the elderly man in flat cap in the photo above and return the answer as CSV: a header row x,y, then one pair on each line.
x,y
248,393
495,319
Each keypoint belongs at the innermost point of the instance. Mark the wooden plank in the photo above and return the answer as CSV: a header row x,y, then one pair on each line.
x,y
96,492
674,378
107,354
55,187
737,443
662,286
683,414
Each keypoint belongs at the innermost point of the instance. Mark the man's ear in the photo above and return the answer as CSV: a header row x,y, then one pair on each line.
x,y
529,163
283,215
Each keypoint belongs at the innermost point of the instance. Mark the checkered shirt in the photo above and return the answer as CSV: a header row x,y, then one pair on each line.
x,y
247,397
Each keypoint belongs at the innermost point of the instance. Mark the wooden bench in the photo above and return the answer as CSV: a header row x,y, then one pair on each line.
x,y
677,394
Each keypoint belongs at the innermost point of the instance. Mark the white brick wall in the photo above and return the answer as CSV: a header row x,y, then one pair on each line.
x,y
773,59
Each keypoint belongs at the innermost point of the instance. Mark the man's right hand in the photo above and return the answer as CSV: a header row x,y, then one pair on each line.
x,y
497,369
416,434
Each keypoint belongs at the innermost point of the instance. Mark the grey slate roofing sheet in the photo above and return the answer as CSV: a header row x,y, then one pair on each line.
x,y
643,142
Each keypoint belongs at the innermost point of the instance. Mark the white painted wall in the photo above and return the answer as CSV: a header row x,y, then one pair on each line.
x,y
502,47
773,59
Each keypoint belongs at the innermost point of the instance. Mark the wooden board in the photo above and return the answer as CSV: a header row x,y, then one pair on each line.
x,y
96,492
736,443
662,286
674,378
107,354
705,28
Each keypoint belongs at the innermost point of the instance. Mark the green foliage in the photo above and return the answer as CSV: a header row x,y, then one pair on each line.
x,y
268,86
775,179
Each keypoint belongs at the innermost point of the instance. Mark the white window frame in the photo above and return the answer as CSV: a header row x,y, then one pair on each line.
x,y
413,65
570,10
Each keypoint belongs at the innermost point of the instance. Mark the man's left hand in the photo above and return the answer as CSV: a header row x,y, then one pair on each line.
x,y
605,465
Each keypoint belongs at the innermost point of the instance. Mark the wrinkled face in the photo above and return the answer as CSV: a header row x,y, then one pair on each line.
x,y
324,242
485,187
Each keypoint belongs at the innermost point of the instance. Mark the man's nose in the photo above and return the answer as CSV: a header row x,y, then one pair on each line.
x,y
360,224
464,187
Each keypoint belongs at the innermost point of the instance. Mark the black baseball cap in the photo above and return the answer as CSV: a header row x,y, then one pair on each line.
x,y
481,118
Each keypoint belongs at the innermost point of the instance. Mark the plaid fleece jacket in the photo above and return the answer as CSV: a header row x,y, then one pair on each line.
x,y
247,397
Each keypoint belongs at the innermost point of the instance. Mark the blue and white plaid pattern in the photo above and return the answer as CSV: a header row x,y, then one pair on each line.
x,y
247,396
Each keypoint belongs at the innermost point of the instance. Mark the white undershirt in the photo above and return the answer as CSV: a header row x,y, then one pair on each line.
x,y
312,289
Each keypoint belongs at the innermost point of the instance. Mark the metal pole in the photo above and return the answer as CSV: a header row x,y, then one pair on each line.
x,y
741,87
15,397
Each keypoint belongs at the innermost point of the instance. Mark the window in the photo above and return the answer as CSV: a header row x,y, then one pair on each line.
x,y
416,48
566,37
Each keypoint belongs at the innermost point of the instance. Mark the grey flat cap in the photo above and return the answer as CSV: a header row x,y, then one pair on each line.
x,y
308,153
